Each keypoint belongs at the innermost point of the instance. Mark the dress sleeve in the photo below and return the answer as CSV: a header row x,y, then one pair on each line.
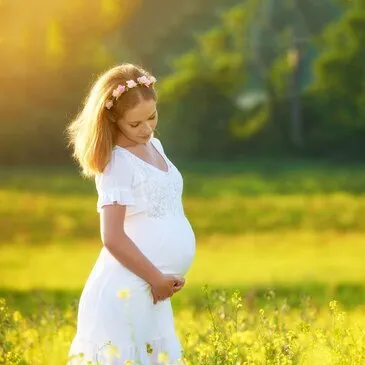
x,y
114,184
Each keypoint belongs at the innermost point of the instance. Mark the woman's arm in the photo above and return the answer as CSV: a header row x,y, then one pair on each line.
x,y
128,254
122,247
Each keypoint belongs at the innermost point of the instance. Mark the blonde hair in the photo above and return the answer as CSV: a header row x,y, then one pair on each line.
x,y
92,133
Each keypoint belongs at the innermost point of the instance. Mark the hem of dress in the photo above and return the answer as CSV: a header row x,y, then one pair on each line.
x,y
165,350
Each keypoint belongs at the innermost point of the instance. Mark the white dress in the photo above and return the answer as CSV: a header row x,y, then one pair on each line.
x,y
117,320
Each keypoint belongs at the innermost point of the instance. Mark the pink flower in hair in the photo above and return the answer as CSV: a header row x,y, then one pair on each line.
x,y
143,80
118,91
109,104
131,84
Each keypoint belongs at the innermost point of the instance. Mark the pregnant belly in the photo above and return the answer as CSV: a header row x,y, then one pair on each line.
x,y
169,243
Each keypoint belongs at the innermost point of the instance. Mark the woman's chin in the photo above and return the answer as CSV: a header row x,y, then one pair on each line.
x,y
145,139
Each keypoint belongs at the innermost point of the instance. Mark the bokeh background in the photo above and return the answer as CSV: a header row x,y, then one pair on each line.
x,y
261,108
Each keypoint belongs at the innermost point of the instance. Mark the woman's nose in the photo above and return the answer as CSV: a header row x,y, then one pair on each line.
x,y
147,127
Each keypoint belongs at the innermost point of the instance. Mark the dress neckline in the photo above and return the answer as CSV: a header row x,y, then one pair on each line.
x,y
144,161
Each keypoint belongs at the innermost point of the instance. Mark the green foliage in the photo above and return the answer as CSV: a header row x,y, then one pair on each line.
x,y
198,95
340,69
250,48
252,196
334,104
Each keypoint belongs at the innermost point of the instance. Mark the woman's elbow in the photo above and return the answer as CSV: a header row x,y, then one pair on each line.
x,y
111,241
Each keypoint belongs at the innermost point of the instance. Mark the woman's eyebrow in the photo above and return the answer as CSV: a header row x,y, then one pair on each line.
x,y
138,121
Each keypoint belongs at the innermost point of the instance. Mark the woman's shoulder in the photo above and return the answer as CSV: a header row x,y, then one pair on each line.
x,y
118,157
118,164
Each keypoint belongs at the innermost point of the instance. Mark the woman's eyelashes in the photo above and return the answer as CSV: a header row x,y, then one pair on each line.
x,y
135,125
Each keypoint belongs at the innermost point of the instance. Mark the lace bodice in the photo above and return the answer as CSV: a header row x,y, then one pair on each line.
x,y
143,188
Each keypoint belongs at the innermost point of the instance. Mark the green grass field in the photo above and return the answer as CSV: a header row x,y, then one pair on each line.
x,y
281,233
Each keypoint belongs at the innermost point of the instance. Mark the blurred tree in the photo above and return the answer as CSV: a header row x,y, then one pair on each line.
x,y
205,81
162,29
339,80
258,45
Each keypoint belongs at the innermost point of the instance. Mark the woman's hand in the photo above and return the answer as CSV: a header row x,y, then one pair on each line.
x,y
179,284
165,286
162,288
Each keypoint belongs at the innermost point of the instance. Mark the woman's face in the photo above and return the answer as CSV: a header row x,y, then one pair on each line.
x,y
139,122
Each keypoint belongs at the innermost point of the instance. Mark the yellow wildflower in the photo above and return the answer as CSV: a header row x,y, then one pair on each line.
x,y
163,357
123,293
17,316
111,351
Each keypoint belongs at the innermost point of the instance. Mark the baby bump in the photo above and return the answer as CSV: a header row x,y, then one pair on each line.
x,y
168,243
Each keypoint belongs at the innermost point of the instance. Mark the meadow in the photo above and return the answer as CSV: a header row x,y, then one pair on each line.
x,y
278,277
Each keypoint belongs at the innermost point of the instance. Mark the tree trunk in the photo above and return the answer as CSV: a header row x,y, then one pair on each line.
x,y
296,125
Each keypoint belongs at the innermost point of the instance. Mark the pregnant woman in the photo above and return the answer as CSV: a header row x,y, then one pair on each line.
x,y
125,314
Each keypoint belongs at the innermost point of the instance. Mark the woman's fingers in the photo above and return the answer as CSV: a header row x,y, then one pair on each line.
x,y
176,283
178,287
179,282
154,297
159,298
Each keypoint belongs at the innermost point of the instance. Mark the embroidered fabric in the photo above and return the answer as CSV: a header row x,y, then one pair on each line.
x,y
129,180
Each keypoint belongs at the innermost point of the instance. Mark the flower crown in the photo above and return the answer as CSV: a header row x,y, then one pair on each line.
x,y
130,84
